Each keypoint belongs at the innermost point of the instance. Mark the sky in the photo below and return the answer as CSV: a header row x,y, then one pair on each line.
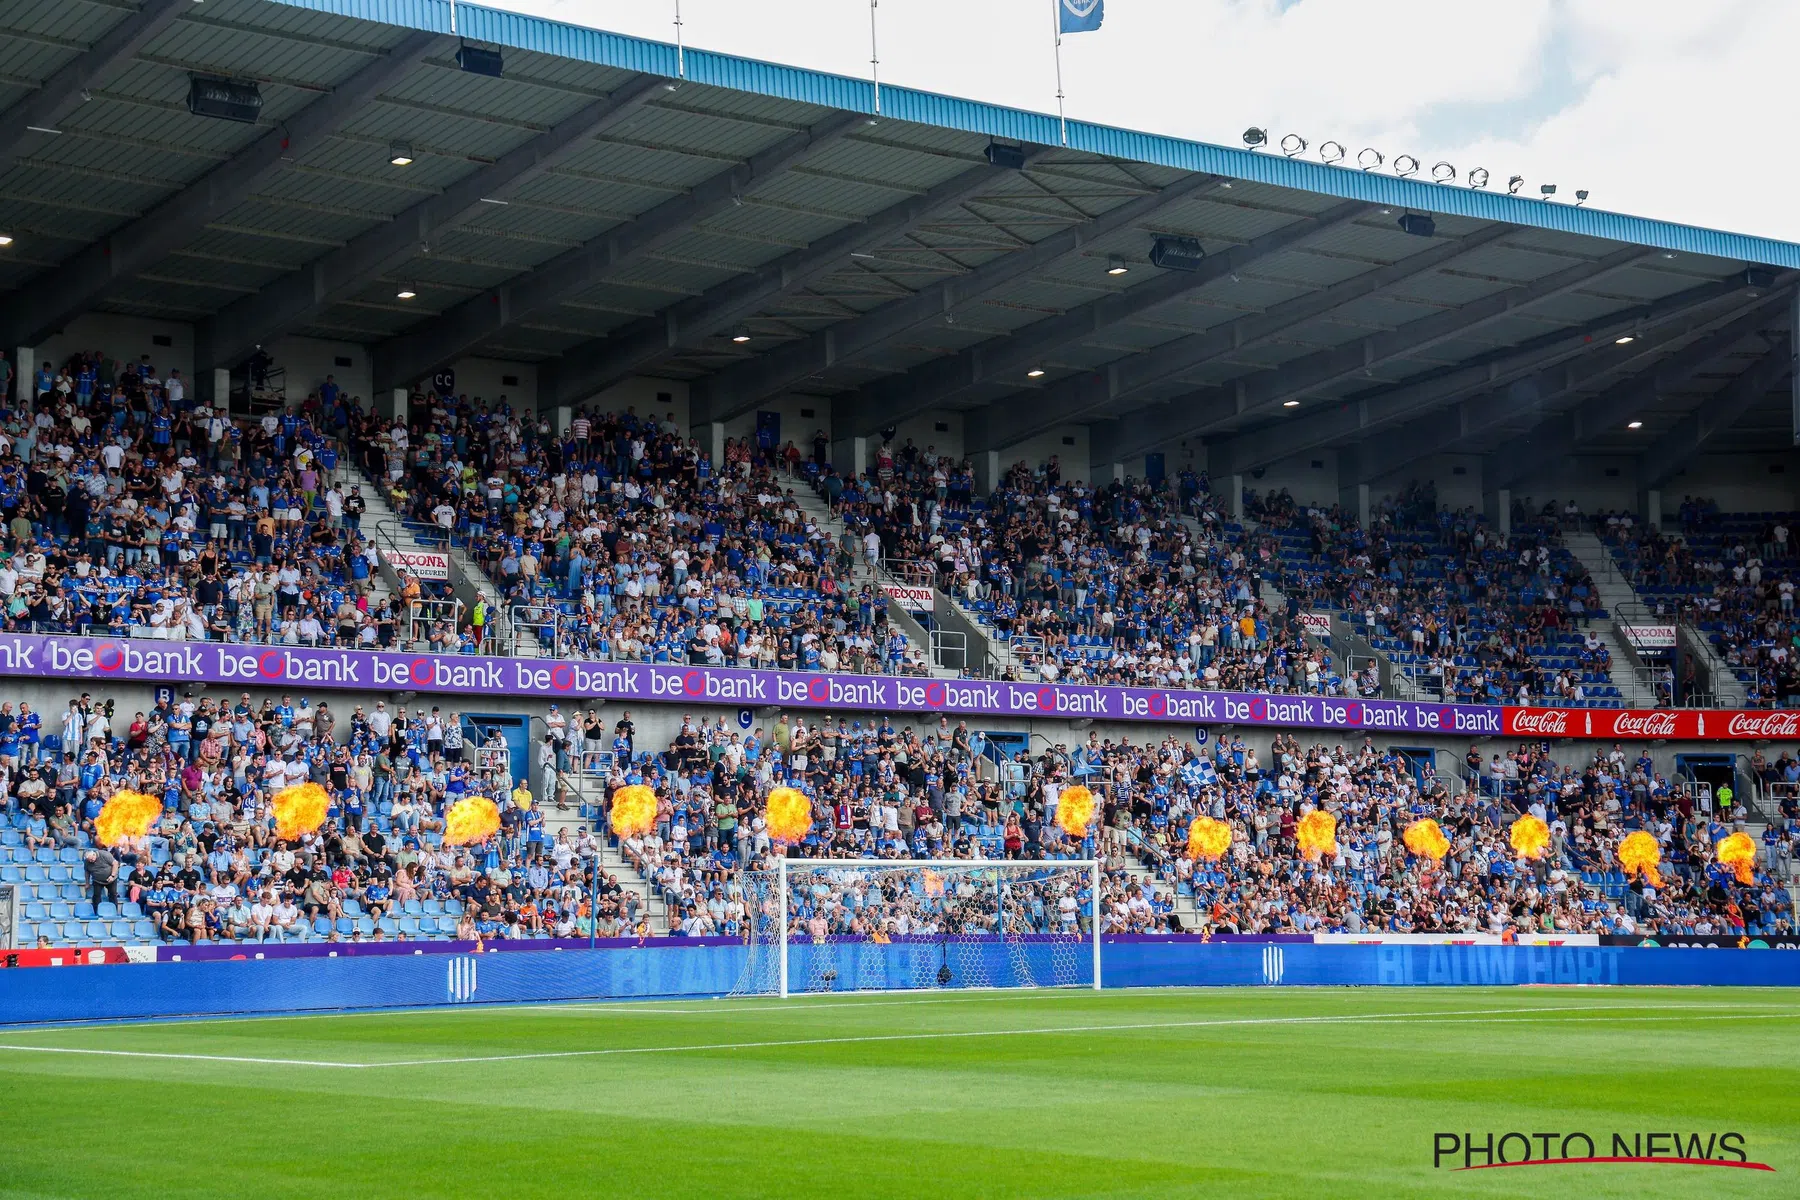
x,y
1665,109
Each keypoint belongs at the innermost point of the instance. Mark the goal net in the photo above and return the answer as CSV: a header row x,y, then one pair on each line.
x,y
849,925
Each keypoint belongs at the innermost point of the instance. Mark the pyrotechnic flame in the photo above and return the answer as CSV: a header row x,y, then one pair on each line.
x,y
1208,838
633,810
1075,810
1530,837
789,814
471,819
300,809
1317,834
1425,839
1739,853
1639,854
128,814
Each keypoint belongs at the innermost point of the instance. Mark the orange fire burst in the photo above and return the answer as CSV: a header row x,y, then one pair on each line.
x,y
1075,810
128,814
471,819
789,814
1426,839
1317,834
1208,839
300,809
1639,854
1530,837
633,810
1739,853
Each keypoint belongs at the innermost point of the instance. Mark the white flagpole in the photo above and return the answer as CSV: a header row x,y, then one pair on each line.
x,y
1056,27
874,56
680,51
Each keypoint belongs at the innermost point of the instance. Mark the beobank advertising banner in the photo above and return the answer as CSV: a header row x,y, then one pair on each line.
x,y
96,662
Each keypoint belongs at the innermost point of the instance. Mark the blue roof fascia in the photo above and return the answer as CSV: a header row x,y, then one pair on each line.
x,y
601,48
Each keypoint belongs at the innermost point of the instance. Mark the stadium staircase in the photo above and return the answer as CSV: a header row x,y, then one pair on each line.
x,y
589,793
1619,598
389,532
917,637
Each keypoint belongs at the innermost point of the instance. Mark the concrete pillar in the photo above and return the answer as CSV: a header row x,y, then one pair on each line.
x,y
220,396
560,418
1118,472
393,403
714,438
850,456
1355,501
1234,496
24,372
987,471
1650,508
1498,506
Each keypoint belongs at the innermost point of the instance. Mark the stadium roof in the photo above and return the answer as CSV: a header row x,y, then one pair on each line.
x,y
608,209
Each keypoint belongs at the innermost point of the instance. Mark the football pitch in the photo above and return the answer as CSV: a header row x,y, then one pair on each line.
x,y
1238,1092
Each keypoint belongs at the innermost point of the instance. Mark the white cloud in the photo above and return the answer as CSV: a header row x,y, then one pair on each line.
x,y
1661,108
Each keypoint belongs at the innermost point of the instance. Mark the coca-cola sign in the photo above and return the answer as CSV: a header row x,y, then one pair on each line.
x,y
1630,723
1768,725
1551,722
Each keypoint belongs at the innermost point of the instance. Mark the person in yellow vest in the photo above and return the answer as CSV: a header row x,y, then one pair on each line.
x,y
1724,796
478,619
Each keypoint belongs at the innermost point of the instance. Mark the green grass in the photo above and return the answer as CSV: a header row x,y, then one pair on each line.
x,y
1307,1093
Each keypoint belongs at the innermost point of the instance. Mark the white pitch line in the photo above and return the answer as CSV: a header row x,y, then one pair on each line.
x,y
1448,1017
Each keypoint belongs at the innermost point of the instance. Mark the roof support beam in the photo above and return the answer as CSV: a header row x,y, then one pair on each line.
x,y
1678,447
1444,431
1006,423
592,367
1208,409
73,286
1361,415
412,355
997,360
739,389
231,335
63,92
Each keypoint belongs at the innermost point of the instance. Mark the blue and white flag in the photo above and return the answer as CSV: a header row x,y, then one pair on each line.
x,y
1080,16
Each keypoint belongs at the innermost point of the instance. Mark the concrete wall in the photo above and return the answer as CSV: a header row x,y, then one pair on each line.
x,y
1308,483
660,396
309,360
124,338
486,379
1069,444
796,425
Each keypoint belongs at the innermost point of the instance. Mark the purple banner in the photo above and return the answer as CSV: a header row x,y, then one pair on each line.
x,y
95,661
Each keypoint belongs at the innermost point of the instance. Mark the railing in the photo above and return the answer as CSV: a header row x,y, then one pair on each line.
x,y
950,649
422,614
542,621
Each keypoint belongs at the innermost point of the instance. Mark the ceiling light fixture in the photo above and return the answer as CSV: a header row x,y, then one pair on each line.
x,y
1115,265
741,336
1634,424
400,154
406,293
5,239
1624,339
1290,404
1035,373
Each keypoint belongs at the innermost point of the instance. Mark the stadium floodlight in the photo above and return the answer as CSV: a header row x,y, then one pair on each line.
x,y
1293,145
1478,178
400,153
1443,172
1332,151
1019,923
1256,138
1514,184
1581,195
1406,166
1417,224
1115,265
1368,158
1177,253
1546,190
1002,155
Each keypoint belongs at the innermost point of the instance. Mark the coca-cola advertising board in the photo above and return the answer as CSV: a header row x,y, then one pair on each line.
x,y
1672,724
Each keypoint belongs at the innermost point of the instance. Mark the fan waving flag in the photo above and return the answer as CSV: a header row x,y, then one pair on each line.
x,y
1080,16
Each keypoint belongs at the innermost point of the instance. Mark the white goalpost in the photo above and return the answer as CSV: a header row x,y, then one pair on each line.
x,y
852,925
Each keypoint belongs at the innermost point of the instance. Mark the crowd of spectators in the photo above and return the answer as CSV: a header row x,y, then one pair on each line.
x,y
1732,575
1469,613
